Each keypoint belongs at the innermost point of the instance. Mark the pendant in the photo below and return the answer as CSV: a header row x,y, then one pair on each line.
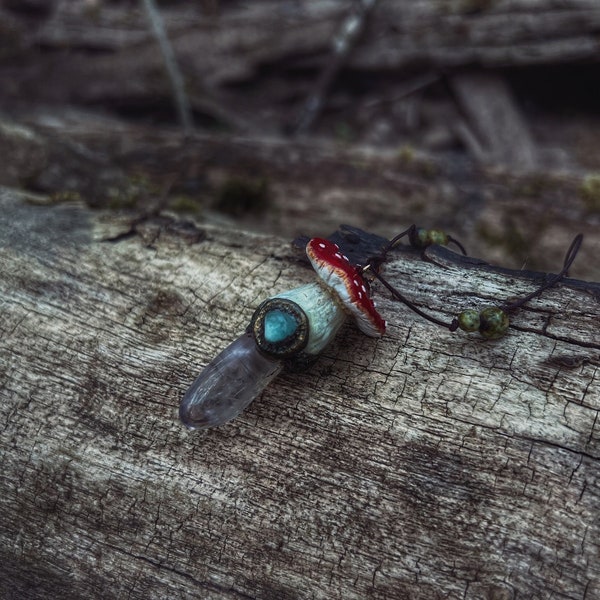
x,y
287,330
290,329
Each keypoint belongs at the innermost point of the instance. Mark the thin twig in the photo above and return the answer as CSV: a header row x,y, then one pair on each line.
x,y
173,71
408,88
343,44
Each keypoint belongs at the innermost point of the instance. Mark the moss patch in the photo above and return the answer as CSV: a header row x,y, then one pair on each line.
x,y
589,191
239,197
185,204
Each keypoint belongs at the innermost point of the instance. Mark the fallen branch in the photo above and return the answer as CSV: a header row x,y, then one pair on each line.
x,y
175,77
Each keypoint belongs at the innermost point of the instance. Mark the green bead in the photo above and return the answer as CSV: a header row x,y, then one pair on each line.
x,y
494,323
419,238
468,320
437,236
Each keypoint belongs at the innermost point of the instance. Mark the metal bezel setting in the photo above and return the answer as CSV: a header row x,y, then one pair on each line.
x,y
292,344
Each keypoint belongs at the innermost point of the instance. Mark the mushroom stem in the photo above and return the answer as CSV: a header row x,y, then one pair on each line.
x,y
324,312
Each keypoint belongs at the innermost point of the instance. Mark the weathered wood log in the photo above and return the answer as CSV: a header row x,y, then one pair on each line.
x,y
422,465
499,133
310,186
113,60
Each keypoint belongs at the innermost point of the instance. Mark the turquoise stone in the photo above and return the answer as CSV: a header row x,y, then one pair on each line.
x,y
279,325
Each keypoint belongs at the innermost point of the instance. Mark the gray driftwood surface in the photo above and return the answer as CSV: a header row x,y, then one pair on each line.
x,y
422,465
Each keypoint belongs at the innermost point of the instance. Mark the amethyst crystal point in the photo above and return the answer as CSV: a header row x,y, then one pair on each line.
x,y
228,384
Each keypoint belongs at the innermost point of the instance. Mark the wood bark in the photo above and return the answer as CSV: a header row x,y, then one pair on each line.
x,y
421,465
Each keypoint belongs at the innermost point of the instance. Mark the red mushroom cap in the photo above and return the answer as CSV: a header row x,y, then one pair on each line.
x,y
345,279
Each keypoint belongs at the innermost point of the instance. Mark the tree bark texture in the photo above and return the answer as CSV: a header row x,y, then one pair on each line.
x,y
424,464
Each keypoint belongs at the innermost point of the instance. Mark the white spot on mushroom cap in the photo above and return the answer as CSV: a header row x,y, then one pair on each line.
x,y
346,282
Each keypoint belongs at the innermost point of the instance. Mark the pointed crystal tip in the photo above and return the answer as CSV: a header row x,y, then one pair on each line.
x,y
228,384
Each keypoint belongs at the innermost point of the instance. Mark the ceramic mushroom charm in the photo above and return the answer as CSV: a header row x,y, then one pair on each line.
x,y
289,329
348,284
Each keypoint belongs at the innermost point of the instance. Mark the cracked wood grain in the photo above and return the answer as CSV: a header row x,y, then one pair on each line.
x,y
422,465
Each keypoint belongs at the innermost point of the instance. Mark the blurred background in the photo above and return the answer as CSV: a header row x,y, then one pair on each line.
x,y
289,117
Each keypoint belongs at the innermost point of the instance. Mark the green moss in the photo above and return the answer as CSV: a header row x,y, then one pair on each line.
x,y
511,240
185,204
420,165
120,198
65,196
239,197
532,186
130,193
589,191
406,154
